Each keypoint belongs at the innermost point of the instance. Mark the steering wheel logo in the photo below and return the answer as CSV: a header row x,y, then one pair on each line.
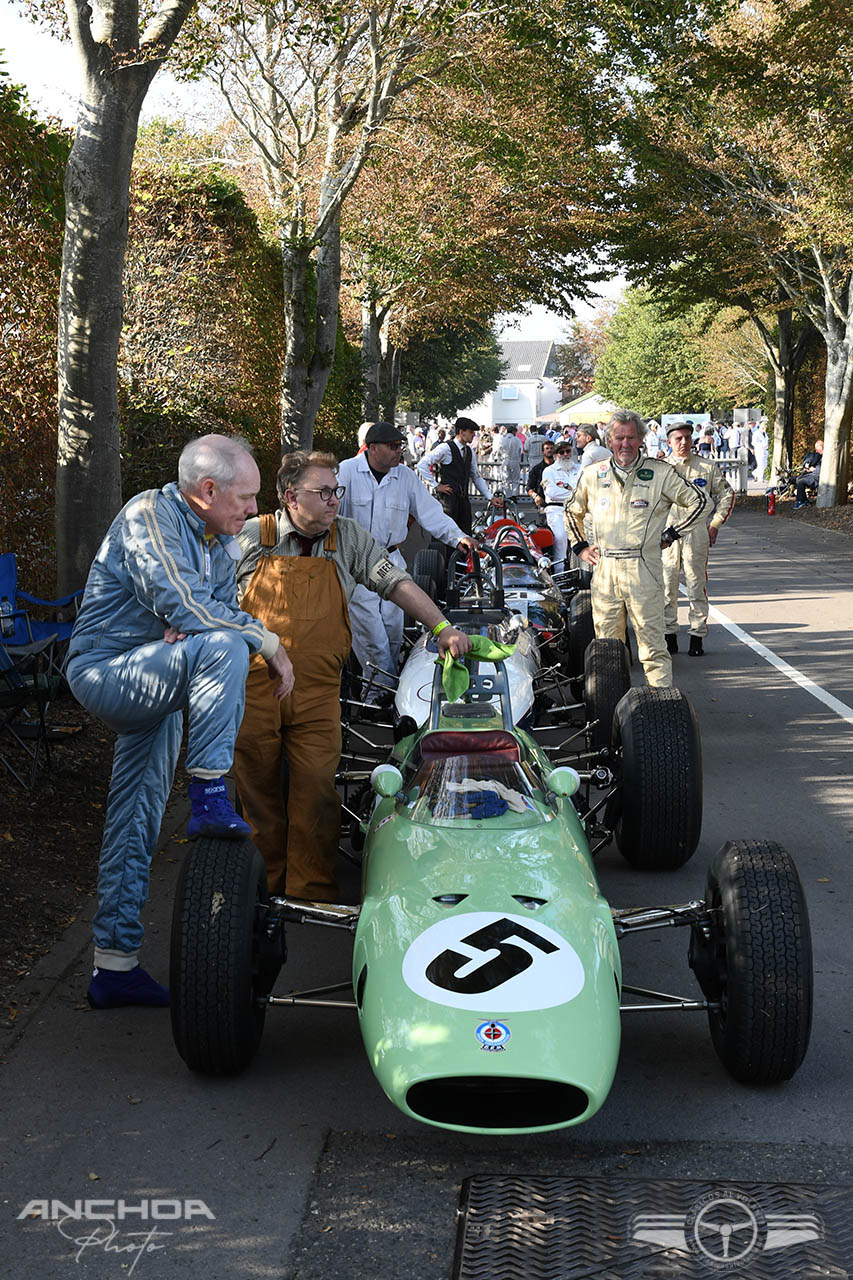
x,y
725,1230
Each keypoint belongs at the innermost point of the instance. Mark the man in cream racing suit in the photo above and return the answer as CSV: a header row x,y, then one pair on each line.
x,y
689,555
628,500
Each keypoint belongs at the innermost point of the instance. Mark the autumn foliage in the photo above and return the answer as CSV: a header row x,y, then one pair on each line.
x,y
32,160
201,346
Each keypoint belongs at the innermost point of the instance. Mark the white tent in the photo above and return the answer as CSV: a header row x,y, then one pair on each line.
x,y
589,408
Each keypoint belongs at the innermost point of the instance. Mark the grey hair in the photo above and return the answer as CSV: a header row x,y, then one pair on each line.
x,y
621,418
211,457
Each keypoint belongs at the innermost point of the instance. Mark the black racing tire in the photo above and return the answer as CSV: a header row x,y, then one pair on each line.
x,y
581,630
761,947
426,585
659,809
217,940
431,564
606,680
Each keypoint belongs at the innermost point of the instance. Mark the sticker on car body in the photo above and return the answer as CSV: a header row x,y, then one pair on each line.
x,y
482,958
493,1036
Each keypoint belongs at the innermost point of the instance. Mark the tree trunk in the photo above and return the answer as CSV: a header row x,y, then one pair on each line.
x,y
117,70
785,353
295,258
370,360
325,322
309,345
97,184
389,376
838,411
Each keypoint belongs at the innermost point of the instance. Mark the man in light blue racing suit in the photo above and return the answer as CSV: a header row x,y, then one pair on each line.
x,y
158,633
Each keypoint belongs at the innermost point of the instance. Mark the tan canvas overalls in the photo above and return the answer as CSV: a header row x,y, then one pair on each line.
x,y
300,598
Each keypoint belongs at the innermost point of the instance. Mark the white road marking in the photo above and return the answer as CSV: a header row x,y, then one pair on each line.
x,y
840,708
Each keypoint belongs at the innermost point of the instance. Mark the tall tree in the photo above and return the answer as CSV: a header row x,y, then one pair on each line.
x,y
651,362
450,370
462,213
758,111
313,84
119,51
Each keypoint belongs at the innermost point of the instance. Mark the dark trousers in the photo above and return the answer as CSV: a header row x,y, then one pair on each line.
x,y
458,506
806,481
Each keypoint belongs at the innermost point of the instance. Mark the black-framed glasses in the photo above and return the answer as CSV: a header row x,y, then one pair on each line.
x,y
326,492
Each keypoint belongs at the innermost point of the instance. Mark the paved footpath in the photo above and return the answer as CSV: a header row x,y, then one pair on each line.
x,y
307,1169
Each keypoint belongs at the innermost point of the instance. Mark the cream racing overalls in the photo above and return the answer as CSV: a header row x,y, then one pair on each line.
x,y
689,555
628,513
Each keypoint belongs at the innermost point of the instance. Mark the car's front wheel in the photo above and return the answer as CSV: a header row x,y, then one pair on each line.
x,y
658,811
226,952
755,959
606,680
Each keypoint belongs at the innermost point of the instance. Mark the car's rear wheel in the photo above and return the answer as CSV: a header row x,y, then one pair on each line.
x,y
427,585
431,564
658,811
757,961
224,959
581,630
606,679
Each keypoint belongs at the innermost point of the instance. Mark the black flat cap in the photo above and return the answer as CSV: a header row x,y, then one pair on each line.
x,y
384,433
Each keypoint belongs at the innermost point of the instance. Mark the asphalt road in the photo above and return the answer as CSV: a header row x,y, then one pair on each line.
x,y
302,1164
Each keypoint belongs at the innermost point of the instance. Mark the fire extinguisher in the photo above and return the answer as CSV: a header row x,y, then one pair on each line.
x,y
771,502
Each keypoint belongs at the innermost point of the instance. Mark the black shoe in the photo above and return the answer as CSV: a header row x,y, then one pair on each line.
x,y
695,650
672,643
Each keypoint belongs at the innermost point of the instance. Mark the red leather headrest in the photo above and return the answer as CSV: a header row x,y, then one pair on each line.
x,y
451,742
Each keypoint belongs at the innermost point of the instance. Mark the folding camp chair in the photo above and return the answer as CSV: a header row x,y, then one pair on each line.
x,y
26,682
29,630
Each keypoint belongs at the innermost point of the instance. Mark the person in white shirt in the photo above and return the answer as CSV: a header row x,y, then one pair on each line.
x,y
654,436
456,465
558,484
760,445
534,446
588,447
507,453
732,438
381,496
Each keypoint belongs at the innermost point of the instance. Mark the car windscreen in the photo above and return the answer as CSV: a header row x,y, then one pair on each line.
x,y
464,789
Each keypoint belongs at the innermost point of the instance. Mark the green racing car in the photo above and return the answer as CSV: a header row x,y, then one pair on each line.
x,y
486,970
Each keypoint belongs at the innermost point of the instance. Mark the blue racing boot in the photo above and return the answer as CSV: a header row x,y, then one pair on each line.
x,y
113,988
213,813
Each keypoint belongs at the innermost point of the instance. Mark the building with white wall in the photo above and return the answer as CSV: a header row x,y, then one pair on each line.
x,y
527,390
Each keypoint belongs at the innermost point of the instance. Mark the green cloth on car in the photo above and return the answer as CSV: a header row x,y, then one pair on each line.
x,y
456,677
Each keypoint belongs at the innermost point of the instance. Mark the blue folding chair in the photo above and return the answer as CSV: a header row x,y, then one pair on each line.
x,y
29,630
26,686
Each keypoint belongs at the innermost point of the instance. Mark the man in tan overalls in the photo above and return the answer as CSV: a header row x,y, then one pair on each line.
x,y
628,499
299,568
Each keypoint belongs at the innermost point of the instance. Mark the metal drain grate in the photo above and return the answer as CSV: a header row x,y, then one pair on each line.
x,y
550,1228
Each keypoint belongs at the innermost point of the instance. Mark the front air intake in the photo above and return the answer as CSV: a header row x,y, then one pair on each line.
x,y
484,1102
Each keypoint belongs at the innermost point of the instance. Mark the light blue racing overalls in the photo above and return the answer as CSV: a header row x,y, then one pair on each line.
x,y
155,569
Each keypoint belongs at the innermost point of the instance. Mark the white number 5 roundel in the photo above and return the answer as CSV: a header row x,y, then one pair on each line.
x,y
485,960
